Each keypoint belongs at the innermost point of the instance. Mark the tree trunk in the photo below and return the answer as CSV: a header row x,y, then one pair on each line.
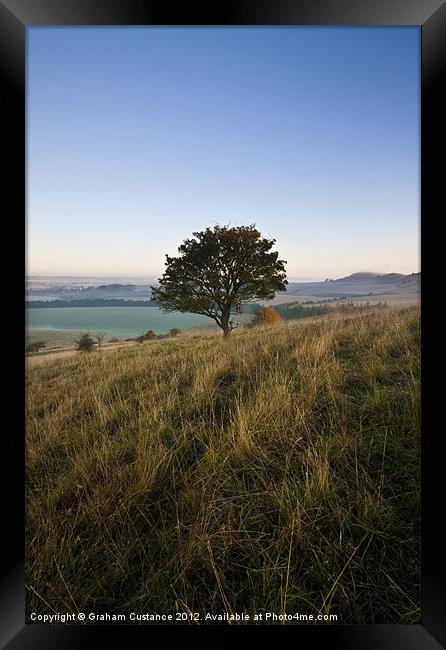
x,y
225,323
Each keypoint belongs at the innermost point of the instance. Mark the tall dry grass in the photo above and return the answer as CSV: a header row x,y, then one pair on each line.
x,y
277,471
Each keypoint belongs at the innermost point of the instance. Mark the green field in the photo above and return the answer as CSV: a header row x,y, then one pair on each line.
x,y
277,470
59,327
116,321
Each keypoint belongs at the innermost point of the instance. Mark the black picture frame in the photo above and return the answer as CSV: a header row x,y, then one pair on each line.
x,y
15,17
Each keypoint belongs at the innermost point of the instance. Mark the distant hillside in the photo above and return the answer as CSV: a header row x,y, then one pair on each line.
x,y
357,284
361,283
102,291
380,277
412,280
89,302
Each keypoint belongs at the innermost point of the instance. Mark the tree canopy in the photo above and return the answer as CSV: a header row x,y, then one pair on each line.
x,y
218,270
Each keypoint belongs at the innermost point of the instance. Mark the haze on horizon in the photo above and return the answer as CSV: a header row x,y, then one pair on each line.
x,y
139,136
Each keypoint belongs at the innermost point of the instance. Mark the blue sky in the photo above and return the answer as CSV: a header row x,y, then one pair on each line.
x,y
139,136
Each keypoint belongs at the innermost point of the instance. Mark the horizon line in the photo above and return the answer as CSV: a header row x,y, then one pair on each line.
x,y
320,278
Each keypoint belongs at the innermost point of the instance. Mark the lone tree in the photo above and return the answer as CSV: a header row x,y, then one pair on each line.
x,y
85,342
218,271
99,336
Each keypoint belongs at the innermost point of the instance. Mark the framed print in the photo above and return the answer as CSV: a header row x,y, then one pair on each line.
x,y
230,403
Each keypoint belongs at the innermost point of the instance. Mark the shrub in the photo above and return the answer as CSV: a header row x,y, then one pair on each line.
x,y
174,331
35,346
85,342
266,316
148,336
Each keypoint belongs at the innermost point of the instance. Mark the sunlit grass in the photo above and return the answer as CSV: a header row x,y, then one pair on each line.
x,y
273,471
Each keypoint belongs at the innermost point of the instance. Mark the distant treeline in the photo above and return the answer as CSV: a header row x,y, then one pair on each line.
x,y
289,311
300,311
121,302
253,307
89,302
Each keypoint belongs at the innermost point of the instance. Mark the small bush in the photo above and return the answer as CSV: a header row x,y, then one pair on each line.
x,y
35,346
85,342
148,336
266,316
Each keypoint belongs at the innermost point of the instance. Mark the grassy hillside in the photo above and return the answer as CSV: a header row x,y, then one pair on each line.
x,y
277,470
54,339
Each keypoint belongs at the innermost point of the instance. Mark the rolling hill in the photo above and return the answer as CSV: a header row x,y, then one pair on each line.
x,y
360,284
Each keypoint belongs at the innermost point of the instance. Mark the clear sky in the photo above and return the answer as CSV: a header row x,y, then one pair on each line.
x,y
139,136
